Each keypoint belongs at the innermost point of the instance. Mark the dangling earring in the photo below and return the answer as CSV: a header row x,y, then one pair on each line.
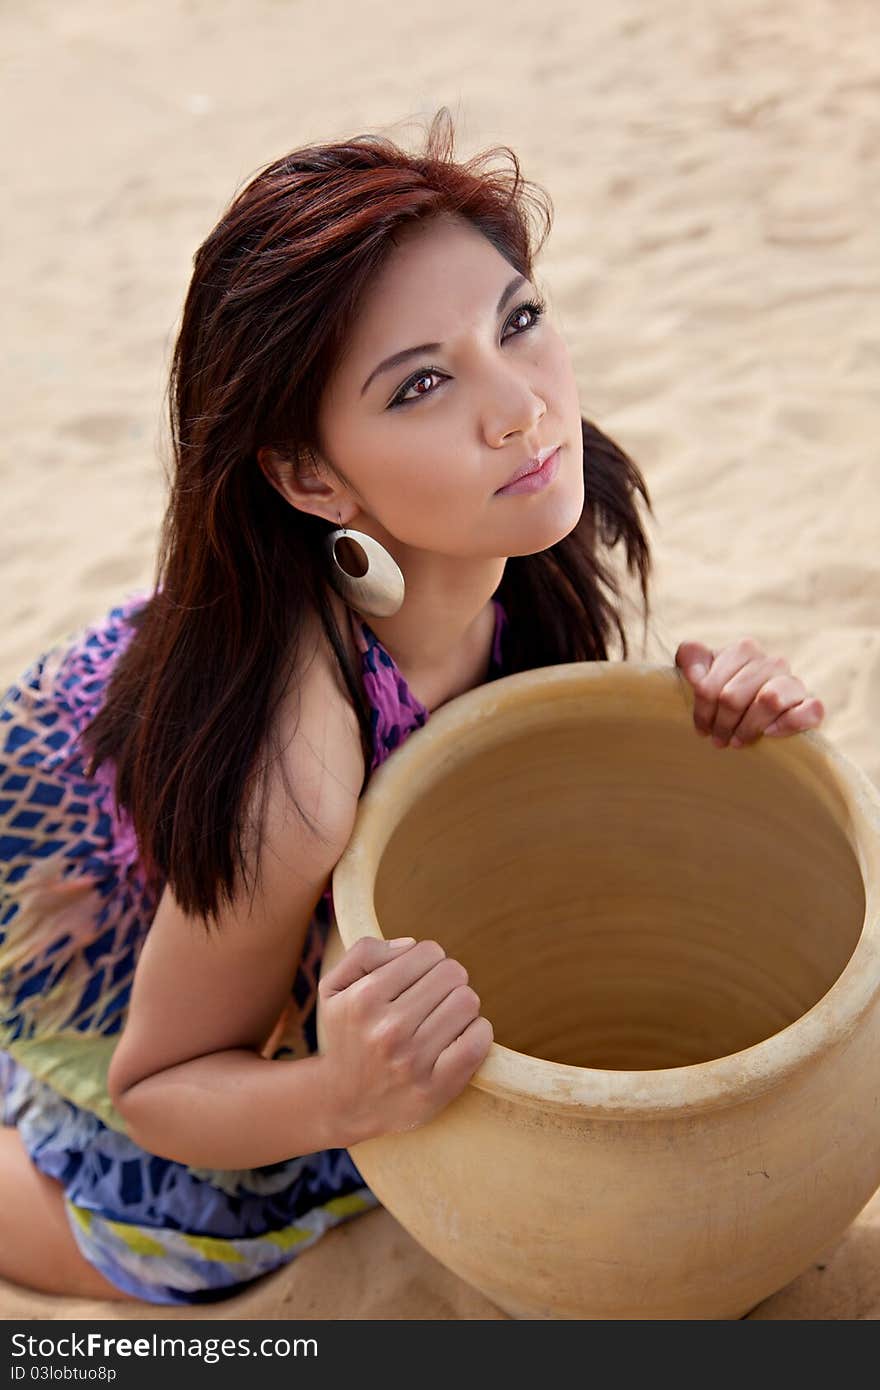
x,y
379,592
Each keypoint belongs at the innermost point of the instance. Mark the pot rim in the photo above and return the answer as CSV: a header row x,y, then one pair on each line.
x,y
429,752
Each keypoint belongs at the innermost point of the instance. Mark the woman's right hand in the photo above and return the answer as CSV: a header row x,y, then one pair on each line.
x,y
403,1033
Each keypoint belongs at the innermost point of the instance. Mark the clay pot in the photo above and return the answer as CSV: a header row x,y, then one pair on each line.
x,y
677,947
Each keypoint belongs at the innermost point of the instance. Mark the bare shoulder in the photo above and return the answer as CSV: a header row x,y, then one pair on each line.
x,y
317,723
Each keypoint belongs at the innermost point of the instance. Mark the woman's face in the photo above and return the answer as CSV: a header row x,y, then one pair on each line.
x,y
426,442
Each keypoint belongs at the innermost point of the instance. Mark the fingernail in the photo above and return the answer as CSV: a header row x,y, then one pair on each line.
x,y
719,742
736,743
698,672
402,941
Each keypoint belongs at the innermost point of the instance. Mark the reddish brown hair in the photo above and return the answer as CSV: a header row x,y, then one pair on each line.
x,y
188,716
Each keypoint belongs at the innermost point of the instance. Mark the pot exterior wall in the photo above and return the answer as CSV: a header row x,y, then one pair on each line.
x,y
561,1215
693,1190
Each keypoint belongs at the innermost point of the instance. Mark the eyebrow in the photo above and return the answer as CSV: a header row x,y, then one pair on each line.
x,y
398,357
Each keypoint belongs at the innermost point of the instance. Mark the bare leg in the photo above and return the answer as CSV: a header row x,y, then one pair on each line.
x,y
37,1247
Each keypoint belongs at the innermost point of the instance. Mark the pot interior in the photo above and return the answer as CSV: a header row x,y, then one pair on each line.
x,y
623,894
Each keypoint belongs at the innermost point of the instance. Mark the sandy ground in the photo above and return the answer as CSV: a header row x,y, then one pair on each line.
x,y
714,171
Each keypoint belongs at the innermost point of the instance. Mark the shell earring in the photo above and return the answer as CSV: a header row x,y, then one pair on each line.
x,y
380,589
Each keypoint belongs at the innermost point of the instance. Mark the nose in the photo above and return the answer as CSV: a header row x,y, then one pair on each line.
x,y
520,415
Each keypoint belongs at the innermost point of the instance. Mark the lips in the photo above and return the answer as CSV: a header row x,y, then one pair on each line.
x,y
531,465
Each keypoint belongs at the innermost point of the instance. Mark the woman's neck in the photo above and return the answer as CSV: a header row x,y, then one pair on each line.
x,y
464,666
444,615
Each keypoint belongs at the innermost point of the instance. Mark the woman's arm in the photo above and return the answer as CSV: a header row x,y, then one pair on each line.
x,y
187,1074
235,1109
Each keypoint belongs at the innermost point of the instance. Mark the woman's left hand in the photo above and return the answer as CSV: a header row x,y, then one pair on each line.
x,y
741,693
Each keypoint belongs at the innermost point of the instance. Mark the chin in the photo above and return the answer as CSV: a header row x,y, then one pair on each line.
x,y
546,537
562,517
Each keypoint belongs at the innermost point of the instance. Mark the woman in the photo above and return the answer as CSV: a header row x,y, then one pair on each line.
x,y
363,350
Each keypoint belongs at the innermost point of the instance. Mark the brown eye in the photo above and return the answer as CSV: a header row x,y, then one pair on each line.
x,y
423,375
523,309
533,307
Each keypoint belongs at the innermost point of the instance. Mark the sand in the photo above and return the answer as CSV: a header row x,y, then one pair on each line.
x,y
715,176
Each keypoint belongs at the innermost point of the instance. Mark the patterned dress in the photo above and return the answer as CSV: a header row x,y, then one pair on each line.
x,y
74,912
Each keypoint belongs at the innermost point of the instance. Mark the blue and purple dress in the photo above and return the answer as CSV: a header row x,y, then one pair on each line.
x,y
75,908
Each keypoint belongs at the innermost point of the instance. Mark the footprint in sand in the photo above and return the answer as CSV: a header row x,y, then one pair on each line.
x,y
117,571
822,220
103,428
23,615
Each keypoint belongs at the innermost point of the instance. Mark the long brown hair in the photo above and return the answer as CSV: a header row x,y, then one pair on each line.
x,y
188,713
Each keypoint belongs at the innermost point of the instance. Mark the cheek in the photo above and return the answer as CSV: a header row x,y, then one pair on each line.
x,y
562,372
416,485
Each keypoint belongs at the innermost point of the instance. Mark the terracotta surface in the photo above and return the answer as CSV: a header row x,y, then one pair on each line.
x,y
680,1109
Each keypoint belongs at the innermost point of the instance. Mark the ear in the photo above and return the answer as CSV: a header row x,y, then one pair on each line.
x,y
276,469
300,486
